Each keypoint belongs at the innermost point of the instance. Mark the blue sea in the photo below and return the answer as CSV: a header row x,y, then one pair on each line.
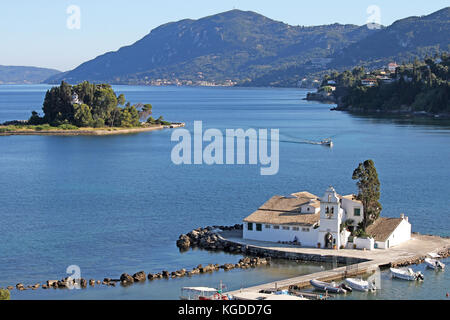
x,y
117,204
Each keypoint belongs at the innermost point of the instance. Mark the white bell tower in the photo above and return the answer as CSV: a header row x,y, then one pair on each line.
x,y
330,219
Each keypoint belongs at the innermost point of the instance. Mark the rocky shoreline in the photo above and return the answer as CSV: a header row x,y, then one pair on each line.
x,y
321,97
206,238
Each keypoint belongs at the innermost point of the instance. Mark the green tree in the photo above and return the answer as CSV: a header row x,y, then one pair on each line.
x,y
5,294
58,104
83,115
99,123
145,111
35,119
129,117
105,102
121,99
369,191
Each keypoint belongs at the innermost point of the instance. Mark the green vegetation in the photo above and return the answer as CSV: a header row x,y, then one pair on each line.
x,y
85,105
238,45
88,105
369,193
421,86
159,121
5,294
249,49
41,127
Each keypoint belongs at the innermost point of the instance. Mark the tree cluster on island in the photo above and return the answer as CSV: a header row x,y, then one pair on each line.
x,y
91,105
421,86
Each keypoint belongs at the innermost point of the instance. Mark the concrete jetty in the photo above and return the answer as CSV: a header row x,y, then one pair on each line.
x,y
357,262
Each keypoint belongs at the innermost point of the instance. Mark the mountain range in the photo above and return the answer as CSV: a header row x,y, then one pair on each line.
x,y
246,48
24,75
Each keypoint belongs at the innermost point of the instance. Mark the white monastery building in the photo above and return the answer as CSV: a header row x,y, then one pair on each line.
x,y
327,222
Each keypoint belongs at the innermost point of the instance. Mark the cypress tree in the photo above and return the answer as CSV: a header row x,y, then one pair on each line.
x,y
369,191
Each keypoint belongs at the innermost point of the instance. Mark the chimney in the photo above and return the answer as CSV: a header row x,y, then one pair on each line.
x,y
402,215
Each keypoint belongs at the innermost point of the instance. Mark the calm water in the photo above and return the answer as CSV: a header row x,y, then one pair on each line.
x,y
117,204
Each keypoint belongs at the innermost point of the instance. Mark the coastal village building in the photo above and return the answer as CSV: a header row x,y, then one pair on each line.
x,y
369,82
392,67
310,221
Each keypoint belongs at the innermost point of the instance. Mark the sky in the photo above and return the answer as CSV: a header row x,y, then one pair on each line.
x,y
46,33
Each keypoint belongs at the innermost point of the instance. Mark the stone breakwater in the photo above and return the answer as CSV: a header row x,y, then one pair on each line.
x,y
202,237
127,279
444,253
207,238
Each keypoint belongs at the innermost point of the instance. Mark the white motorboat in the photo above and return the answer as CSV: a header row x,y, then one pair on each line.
x,y
327,142
202,293
434,264
264,296
360,284
406,274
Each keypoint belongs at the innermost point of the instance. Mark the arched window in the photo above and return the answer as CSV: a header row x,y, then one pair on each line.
x,y
327,210
332,210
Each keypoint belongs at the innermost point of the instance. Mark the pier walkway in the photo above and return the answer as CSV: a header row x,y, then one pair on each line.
x,y
409,252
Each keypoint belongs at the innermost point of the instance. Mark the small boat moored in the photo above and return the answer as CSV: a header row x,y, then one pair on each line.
x,y
406,274
434,264
360,285
202,293
328,287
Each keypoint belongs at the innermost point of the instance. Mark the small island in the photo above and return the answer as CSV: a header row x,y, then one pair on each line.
x,y
421,88
87,109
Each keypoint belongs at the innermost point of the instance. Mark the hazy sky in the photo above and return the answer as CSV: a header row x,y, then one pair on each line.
x,y
35,33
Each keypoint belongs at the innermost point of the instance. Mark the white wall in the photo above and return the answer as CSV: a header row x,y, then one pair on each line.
x,y
381,244
401,234
364,243
304,209
306,238
344,238
349,207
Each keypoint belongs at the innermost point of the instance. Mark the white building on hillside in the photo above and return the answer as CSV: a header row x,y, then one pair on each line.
x,y
310,221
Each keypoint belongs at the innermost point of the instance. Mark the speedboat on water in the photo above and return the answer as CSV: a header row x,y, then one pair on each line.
x,y
360,285
327,142
326,286
434,264
406,274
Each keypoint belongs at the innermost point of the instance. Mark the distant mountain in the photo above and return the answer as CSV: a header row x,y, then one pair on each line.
x,y
249,49
25,75
234,45
404,40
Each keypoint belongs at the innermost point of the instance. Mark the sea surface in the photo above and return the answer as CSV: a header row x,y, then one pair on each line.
x,y
117,204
